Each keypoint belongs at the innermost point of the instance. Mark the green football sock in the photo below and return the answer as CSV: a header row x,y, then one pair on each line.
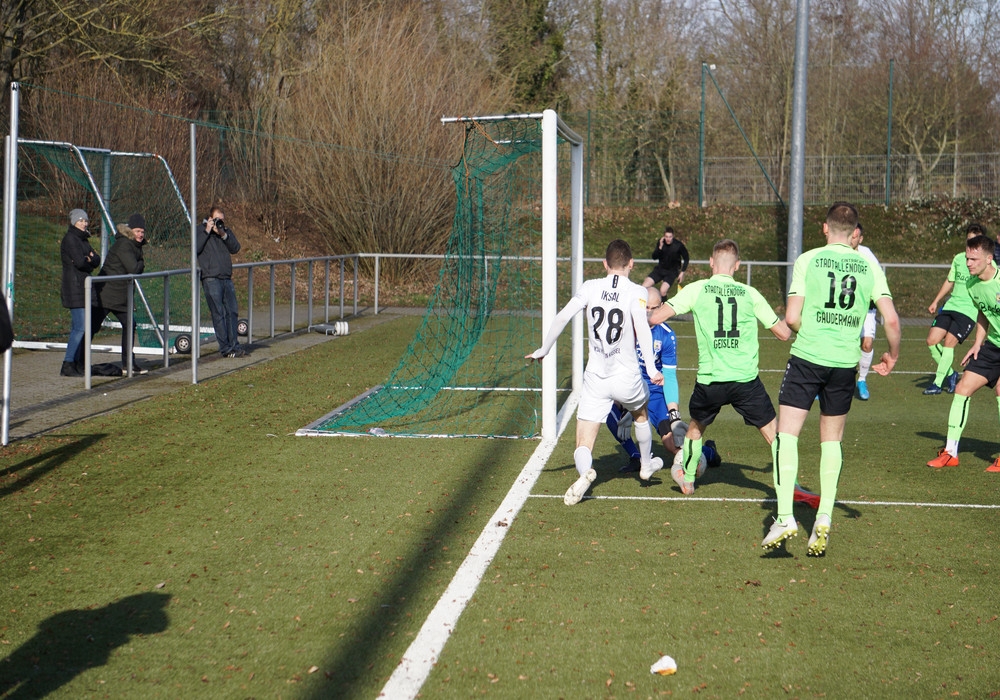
x,y
785,452
692,454
935,351
957,417
944,365
831,460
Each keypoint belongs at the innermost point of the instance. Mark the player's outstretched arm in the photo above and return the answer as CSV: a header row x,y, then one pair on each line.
x,y
893,334
793,312
942,293
781,330
666,311
573,306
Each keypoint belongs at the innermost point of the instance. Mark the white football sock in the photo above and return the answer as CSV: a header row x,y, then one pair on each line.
x,y
644,438
865,364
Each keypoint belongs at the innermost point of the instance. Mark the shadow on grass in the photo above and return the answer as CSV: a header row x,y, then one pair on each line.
x,y
71,642
35,467
358,652
983,449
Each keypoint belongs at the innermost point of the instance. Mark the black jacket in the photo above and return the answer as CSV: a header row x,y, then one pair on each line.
x,y
215,256
76,266
671,257
124,258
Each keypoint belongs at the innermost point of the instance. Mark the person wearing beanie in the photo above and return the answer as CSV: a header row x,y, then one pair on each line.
x,y
216,244
124,258
78,261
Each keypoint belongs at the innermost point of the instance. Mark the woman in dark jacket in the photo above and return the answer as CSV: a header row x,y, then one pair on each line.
x,y
124,258
78,261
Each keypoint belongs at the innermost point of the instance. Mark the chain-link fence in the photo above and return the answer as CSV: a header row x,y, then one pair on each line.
x,y
654,158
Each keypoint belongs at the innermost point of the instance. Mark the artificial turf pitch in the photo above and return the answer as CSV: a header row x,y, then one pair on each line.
x,y
191,545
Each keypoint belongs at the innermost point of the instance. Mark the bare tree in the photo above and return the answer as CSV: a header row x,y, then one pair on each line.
x,y
362,151
158,37
947,79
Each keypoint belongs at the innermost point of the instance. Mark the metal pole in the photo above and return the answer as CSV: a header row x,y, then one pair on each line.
x,y
796,196
106,194
701,142
576,235
195,297
88,323
250,306
888,139
549,269
590,136
9,241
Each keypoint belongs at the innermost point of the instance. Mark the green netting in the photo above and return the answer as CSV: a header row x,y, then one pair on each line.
x,y
55,177
464,372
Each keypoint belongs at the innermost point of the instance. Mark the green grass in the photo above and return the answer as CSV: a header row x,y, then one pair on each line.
x,y
191,546
582,600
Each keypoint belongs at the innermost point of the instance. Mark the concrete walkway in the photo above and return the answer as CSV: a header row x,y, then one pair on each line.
x,y
42,400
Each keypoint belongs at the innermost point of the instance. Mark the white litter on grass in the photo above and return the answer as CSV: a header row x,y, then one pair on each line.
x,y
666,666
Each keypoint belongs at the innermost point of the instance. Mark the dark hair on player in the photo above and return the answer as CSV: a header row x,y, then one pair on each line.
x,y
842,218
727,245
983,243
618,255
975,228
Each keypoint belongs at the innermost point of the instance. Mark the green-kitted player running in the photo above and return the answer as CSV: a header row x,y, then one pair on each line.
x,y
982,362
831,290
726,313
954,321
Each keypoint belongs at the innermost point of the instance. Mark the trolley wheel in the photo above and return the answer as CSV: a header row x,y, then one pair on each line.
x,y
243,327
182,343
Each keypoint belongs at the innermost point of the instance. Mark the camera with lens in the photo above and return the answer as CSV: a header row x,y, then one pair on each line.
x,y
220,225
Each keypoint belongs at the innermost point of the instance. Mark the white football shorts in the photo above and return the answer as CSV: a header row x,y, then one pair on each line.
x,y
598,394
868,328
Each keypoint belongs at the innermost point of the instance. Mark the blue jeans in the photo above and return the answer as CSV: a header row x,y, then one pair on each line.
x,y
221,297
75,345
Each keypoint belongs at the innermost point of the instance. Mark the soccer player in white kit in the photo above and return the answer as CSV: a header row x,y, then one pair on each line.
x,y
867,328
616,320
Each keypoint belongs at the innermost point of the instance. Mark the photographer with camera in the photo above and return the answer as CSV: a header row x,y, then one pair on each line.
x,y
216,245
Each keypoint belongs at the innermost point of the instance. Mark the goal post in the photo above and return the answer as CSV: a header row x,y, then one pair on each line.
x,y
464,373
552,128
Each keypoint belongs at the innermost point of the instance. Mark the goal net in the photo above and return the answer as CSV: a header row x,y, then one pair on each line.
x,y
54,177
464,372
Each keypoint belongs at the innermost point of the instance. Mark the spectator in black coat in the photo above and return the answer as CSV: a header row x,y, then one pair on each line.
x,y
78,261
124,258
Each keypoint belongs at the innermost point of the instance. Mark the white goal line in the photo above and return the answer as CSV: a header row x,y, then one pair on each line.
x,y
722,499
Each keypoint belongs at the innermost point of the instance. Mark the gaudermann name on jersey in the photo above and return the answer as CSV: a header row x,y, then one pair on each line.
x,y
837,318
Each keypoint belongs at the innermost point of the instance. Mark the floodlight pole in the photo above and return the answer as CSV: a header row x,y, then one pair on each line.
x,y
195,299
796,184
9,240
